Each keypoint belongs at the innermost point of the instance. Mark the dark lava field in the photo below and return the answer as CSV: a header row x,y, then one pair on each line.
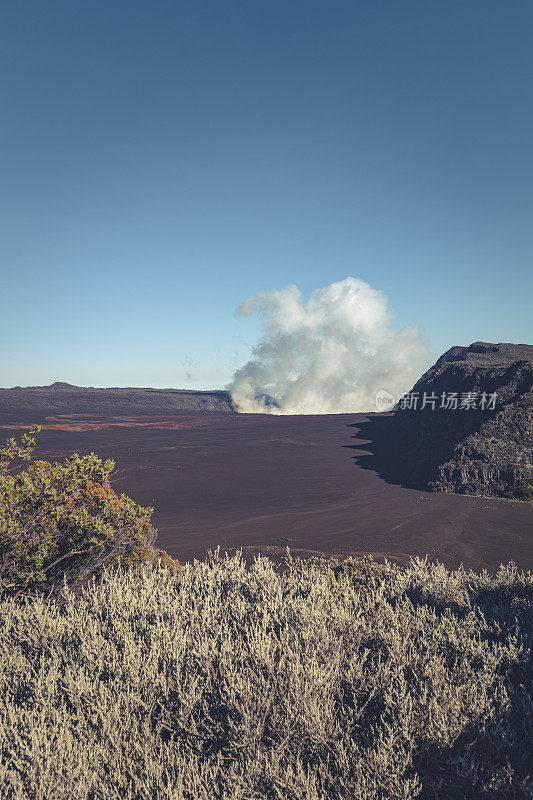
x,y
315,484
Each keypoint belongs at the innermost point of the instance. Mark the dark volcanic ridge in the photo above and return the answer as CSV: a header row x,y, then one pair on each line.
x,y
63,397
486,449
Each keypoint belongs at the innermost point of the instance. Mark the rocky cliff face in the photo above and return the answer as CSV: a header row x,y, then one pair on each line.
x,y
467,424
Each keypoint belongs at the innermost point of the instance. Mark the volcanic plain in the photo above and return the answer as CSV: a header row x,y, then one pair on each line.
x,y
319,485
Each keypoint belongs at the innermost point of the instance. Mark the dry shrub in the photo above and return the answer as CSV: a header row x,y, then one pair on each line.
x,y
65,519
233,681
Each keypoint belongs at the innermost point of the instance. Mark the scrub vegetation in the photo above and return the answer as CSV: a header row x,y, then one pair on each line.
x,y
226,679
58,519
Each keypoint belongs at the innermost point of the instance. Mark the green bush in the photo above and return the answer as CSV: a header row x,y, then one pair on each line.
x,y
58,519
233,682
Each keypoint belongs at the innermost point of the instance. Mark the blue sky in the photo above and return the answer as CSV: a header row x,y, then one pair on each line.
x,y
161,161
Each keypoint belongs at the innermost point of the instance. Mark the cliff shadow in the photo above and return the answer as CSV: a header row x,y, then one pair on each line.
x,y
380,448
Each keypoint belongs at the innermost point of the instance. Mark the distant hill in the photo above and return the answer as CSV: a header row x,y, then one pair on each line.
x,y
66,398
486,448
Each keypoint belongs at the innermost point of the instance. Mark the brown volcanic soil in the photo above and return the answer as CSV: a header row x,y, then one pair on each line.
x,y
266,482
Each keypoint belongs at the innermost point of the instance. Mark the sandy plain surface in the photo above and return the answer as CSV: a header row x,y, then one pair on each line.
x,y
317,484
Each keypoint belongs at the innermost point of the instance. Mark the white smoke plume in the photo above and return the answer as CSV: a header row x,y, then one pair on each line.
x,y
330,355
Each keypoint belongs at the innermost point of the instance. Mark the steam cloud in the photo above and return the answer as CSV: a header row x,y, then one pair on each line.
x,y
328,356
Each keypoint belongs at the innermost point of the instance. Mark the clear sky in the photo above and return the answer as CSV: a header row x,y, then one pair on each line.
x,y
162,161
